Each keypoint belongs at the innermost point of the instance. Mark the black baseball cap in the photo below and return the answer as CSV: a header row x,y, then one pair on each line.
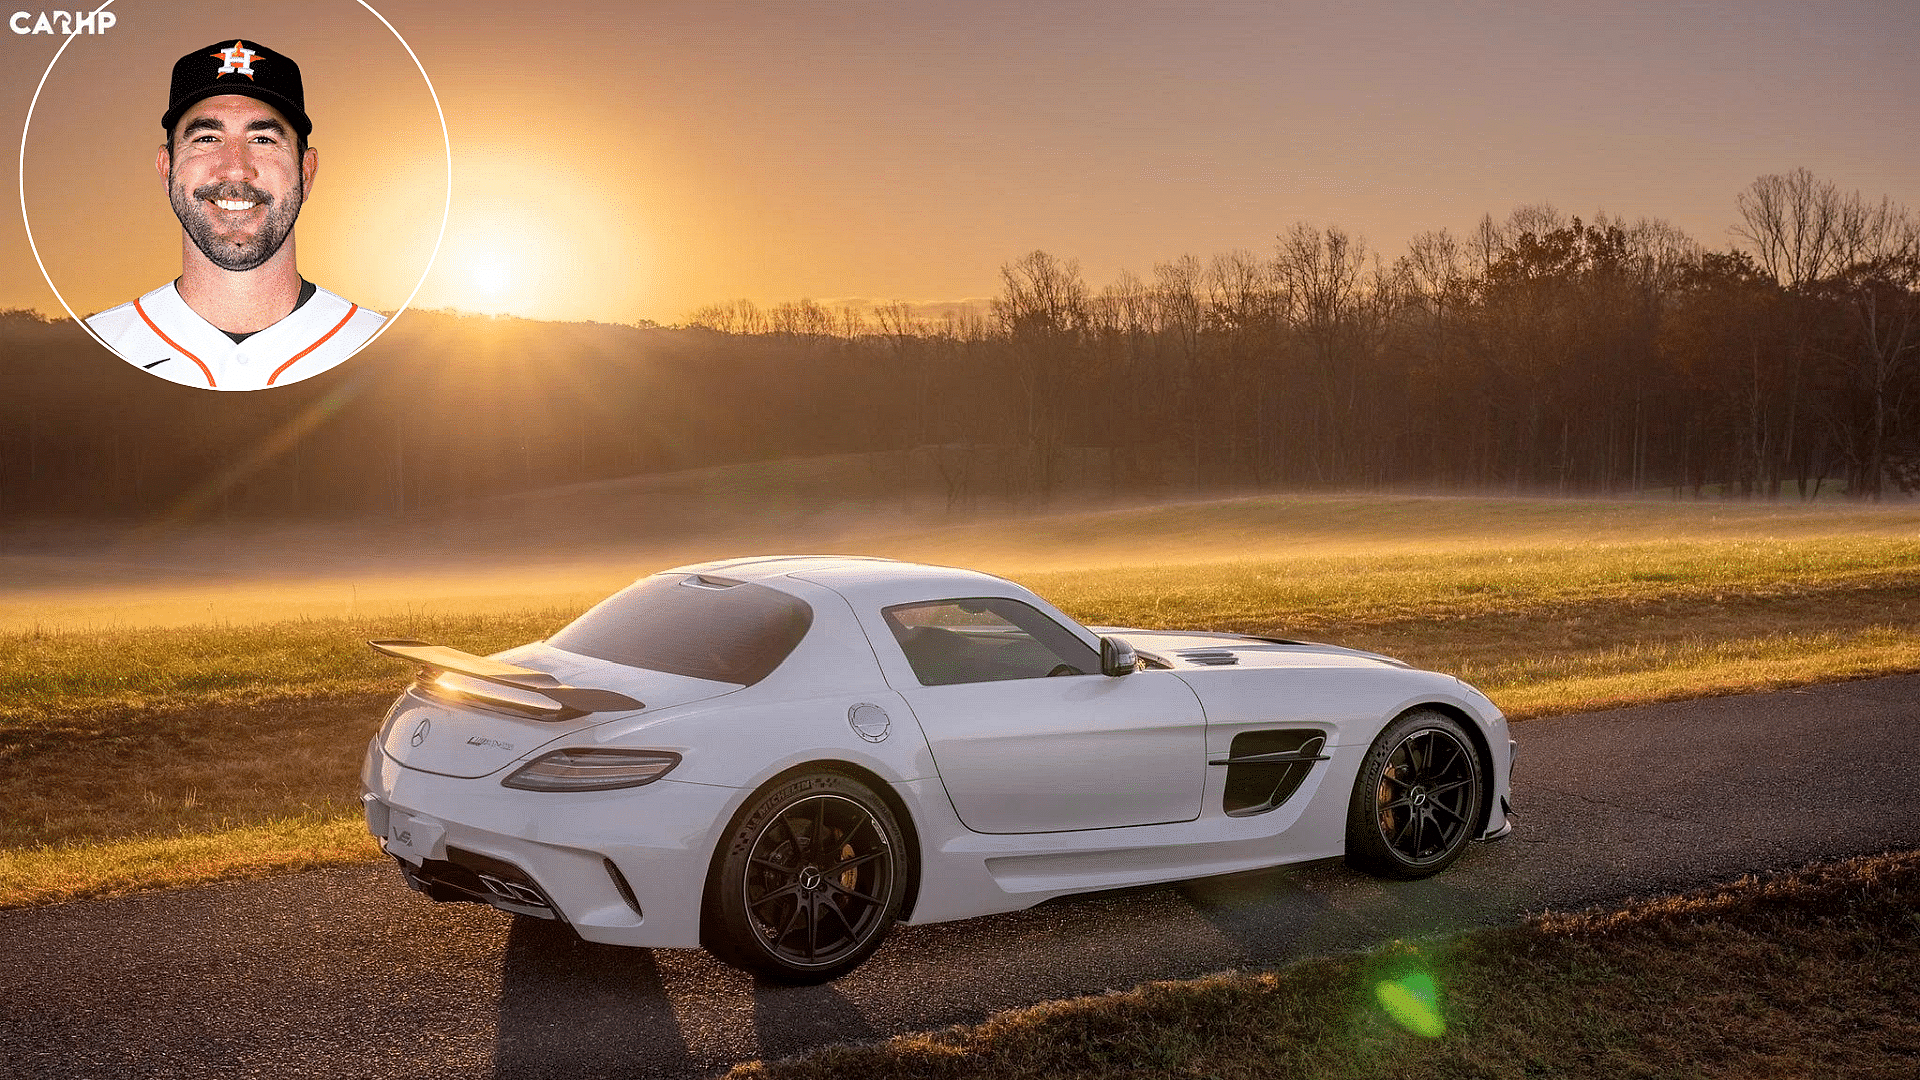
x,y
238,67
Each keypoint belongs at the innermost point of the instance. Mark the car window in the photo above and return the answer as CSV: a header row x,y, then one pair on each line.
x,y
985,639
694,625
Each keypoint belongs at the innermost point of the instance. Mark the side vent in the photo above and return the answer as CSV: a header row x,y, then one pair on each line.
x,y
1208,657
1265,768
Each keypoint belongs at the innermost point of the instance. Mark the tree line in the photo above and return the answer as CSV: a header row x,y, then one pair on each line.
x,y
1539,354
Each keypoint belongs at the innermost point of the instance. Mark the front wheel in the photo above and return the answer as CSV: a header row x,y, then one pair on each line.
x,y
810,879
1417,800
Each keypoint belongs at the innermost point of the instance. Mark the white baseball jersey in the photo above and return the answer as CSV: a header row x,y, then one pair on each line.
x,y
160,334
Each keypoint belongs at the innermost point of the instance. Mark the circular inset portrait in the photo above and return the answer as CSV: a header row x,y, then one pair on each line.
x,y
235,201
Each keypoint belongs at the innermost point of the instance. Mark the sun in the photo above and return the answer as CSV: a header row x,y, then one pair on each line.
x,y
580,251
491,280
490,275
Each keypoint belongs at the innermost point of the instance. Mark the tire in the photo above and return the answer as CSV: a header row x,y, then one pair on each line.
x,y
808,881
1418,798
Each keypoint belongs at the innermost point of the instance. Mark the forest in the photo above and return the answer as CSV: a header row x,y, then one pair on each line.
x,y
1539,354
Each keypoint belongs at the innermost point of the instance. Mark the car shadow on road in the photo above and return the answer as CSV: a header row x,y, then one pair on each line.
x,y
1281,914
573,1008
790,1019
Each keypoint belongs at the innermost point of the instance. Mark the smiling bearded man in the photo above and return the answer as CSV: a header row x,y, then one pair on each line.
x,y
237,169
222,244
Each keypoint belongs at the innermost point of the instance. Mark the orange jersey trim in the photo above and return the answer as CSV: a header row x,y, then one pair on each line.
x,y
323,340
204,370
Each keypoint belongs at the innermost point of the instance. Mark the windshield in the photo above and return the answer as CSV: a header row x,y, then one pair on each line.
x,y
692,625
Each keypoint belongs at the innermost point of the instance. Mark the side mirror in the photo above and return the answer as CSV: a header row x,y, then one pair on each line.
x,y
1117,657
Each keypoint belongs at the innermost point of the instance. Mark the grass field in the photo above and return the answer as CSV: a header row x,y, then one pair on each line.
x,y
1804,974
164,752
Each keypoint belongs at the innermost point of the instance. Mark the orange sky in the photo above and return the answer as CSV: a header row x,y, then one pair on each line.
x,y
634,161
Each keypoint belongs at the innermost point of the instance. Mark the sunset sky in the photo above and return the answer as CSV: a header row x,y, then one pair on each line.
x,y
620,162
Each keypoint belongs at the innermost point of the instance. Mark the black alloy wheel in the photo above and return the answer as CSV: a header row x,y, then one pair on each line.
x,y
1418,798
810,882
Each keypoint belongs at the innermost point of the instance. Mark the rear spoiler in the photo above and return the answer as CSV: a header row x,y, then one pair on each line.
x,y
577,700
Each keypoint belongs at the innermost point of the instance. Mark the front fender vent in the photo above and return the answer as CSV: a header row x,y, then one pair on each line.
x,y
1265,768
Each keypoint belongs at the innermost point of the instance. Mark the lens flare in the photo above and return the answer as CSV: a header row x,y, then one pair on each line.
x,y
1414,1002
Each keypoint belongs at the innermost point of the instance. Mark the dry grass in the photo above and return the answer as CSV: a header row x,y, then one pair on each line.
x,y
1811,973
45,673
168,769
131,734
57,873
1561,580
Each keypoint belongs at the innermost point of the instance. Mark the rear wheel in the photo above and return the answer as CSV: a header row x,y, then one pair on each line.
x,y
1417,800
809,881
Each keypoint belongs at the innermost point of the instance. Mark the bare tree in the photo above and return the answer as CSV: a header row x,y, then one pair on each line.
x,y
850,322
717,317
1126,307
1319,275
1044,311
968,324
906,337
1882,292
1042,296
1536,218
1837,249
803,318
752,319
896,319
1437,263
1179,312
1796,224
1486,243
1660,251
1240,291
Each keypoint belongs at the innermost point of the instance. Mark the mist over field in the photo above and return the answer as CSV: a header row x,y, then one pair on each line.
x,y
565,548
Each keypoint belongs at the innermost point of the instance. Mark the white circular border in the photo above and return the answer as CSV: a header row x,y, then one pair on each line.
x,y
445,210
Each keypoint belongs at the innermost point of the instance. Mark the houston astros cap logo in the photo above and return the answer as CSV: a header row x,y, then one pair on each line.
x,y
269,76
238,58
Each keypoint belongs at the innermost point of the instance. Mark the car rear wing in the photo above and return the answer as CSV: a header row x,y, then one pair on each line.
x,y
569,701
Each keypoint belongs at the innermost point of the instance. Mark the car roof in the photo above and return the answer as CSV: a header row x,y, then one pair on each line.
x,y
860,577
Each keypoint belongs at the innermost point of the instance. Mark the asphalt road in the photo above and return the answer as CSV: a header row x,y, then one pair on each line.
x,y
345,973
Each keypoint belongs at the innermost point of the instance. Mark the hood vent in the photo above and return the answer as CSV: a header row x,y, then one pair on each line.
x,y
1208,657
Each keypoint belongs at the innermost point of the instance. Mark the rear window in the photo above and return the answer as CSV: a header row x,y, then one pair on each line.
x,y
698,626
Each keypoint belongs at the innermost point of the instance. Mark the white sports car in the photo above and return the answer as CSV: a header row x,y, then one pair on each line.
x,y
778,758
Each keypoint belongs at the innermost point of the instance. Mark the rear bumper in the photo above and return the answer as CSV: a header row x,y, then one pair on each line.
x,y
632,870
466,876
